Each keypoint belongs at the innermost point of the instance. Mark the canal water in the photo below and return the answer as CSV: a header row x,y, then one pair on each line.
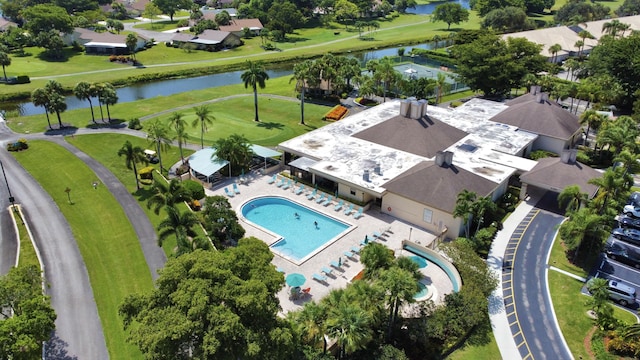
x,y
176,86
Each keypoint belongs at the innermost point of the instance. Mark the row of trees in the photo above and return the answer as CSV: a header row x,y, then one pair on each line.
x,y
223,305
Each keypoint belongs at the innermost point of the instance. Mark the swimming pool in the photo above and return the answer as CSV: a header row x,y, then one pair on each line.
x,y
422,293
302,231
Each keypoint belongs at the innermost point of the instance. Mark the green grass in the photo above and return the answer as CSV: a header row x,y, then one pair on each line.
x,y
488,351
27,254
106,239
279,118
104,148
558,258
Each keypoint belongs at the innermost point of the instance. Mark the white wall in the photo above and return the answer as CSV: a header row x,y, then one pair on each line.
x,y
413,212
550,144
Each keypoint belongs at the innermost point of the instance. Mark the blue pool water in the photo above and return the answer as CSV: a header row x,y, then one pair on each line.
x,y
300,236
422,292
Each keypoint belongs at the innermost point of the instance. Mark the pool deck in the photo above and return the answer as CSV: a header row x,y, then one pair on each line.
x,y
393,231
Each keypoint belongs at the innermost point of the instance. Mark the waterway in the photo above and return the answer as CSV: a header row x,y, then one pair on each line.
x,y
426,9
176,86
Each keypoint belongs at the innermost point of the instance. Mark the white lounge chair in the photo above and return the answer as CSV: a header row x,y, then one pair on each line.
x,y
320,199
320,278
339,205
328,201
272,180
281,183
313,194
287,185
300,190
358,214
327,270
349,210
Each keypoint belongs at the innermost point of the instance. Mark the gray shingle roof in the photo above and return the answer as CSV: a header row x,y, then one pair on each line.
x,y
422,137
438,187
553,173
543,118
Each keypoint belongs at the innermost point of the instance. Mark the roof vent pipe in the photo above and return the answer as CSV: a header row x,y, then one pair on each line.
x,y
365,175
539,97
377,170
416,112
404,107
423,104
545,97
440,158
448,158
565,157
573,156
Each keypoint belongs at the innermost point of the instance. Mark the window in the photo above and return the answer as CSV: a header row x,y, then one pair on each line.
x,y
353,192
427,216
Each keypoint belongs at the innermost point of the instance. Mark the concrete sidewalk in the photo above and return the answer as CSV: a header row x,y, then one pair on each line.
x,y
497,313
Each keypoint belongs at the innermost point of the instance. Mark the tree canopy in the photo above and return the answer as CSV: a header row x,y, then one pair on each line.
x,y
450,13
494,66
45,17
33,319
580,11
212,305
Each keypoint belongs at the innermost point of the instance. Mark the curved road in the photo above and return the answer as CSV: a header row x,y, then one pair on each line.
x,y
78,332
525,290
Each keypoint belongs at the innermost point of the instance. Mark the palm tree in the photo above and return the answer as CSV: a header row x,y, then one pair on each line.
x,y
176,121
464,208
442,86
157,134
236,150
312,323
5,60
350,326
255,76
400,285
593,119
132,156
40,97
57,101
480,207
571,198
204,118
181,137
582,225
619,134
107,95
554,49
608,186
629,161
167,194
375,258
385,73
85,91
301,73
178,224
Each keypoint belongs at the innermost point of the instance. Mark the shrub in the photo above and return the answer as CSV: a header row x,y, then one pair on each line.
x,y
135,124
540,154
455,104
145,182
194,188
337,113
22,79
483,240
113,58
168,44
146,173
183,23
19,145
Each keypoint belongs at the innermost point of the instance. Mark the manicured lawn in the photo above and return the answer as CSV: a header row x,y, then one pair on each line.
x,y
558,258
27,254
279,118
158,25
488,351
105,237
104,148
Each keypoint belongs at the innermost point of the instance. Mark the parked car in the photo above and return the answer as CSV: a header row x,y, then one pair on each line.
x,y
619,292
634,199
621,253
629,222
631,210
628,235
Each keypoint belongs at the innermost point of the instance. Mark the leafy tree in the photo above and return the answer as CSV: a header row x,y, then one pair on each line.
x,y
76,6
375,258
52,43
221,221
223,18
170,7
402,5
56,101
580,11
345,11
450,13
5,60
236,149
538,6
132,43
508,19
478,60
15,39
442,86
40,97
255,76
158,135
85,91
483,7
203,118
118,11
118,26
214,305
203,25
619,134
151,11
628,8
132,156
285,16
46,17
386,74
27,317
167,194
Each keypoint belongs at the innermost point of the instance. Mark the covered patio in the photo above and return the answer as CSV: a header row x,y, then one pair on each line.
x,y
205,167
264,157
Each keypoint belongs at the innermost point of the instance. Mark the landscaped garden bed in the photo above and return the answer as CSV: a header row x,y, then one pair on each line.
x,y
365,102
336,113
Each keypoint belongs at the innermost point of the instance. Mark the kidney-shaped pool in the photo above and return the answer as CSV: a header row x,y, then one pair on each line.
x,y
303,231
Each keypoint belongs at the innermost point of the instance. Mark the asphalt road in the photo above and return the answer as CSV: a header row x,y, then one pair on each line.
x,y
529,309
78,332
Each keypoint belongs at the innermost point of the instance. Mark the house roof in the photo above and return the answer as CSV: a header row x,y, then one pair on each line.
x,y
542,117
437,186
239,24
556,35
4,23
423,137
101,38
554,174
208,37
134,4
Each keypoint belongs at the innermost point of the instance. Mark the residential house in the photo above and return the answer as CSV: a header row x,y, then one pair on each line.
x,y
210,40
103,43
237,26
6,24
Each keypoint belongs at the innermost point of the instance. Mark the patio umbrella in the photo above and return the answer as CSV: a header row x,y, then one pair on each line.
x,y
295,279
422,263
366,239
340,261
